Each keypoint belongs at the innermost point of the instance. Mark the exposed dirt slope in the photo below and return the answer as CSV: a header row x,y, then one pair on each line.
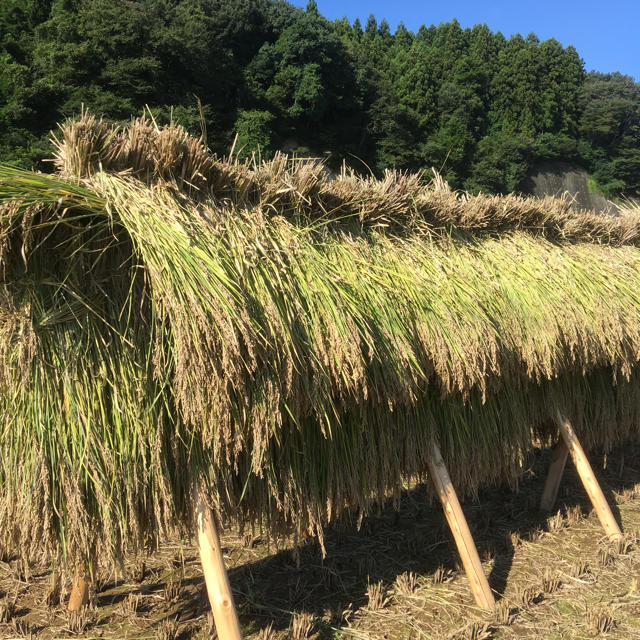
x,y
561,178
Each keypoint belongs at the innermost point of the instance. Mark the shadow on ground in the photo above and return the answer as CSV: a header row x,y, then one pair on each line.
x,y
165,597
414,539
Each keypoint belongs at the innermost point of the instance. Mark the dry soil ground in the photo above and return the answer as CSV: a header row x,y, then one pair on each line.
x,y
398,577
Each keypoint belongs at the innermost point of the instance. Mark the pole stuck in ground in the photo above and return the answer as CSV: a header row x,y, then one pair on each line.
x,y
460,529
556,470
79,595
589,480
215,572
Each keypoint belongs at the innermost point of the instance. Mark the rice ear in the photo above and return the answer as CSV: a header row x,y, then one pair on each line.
x,y
400,202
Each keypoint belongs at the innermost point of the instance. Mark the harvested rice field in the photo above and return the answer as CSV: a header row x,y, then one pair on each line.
x,y
555,576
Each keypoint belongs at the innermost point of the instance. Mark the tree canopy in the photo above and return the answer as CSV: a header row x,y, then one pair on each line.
x,y
481,108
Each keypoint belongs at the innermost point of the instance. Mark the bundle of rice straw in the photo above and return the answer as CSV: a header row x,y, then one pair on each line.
x,y
295,342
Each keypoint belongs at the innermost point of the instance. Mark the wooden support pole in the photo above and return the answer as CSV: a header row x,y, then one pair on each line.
x,y
460,529
79,595
552,484
215,572
589,480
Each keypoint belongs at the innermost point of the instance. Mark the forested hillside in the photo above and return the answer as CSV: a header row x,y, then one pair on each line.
x,y
478,105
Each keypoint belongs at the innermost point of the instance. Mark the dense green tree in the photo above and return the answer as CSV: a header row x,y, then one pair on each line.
x,y
610,131
305,79
478,106
254,129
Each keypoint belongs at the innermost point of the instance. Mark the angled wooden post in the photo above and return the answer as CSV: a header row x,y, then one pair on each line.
x,y
460,529
79,595
556,469
215,572
589,480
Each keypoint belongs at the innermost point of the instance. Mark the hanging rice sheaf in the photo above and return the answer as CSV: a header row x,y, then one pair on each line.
x,y
292,341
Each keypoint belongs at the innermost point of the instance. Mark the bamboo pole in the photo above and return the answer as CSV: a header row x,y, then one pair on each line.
x,y
215,572
589,480
460,529
79,595
556,469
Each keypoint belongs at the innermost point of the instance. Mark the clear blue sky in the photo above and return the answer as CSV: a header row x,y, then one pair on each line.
x,y
606,33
